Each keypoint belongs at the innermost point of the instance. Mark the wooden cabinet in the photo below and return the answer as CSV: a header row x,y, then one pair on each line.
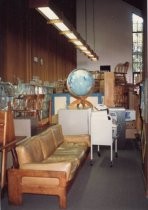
x,y
114,88
109,89
121,92
121,96
105,85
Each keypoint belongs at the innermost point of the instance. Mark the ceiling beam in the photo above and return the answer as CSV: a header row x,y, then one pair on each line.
x,y
136,3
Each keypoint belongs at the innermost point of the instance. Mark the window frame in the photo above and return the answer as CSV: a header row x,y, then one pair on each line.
x,y
137,45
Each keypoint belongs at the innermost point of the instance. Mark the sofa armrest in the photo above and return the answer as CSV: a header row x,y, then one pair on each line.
x,y
16,187
56,167
82,138
20,173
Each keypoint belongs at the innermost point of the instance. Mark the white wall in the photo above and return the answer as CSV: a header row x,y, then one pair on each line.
x,y
112,32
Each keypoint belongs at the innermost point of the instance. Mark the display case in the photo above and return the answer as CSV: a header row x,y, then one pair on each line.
x,y
32,100
7,93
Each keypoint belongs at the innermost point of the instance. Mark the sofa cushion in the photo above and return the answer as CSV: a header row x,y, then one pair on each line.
x,y
58,134
70,151
47,142
64,159
61,158
78,138
30,151
73,146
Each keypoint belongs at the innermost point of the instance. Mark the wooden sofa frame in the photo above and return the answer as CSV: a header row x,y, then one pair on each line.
x,y
16,189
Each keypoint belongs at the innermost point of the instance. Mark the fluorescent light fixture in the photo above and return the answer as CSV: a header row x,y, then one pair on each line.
x,y
76,42
87,52
82,48
91,56
69,34
58,24
58,20
48,13
94,59
61,26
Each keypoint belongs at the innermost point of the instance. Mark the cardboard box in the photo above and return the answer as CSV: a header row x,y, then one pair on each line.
x,y
130,124
130,133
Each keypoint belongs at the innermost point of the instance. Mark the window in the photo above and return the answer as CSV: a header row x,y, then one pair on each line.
x,y
137,45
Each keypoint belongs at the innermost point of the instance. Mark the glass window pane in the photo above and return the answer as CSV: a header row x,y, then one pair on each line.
x,y
135,37
140,27
137,43
134,27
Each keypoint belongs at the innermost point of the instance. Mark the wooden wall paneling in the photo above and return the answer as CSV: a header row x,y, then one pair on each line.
x,y
35,44
2,37
51,58
27,35
15,48
45,40
28,71
60,53
52,50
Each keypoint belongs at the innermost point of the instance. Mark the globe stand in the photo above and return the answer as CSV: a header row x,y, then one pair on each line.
x,y
81,101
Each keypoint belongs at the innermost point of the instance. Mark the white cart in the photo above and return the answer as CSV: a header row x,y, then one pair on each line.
x,y
103,132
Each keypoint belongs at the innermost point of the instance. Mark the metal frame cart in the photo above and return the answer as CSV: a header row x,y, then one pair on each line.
x,y
103,132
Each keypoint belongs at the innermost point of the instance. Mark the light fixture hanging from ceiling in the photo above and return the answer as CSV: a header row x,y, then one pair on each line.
x,y
57,19
94,38
93,25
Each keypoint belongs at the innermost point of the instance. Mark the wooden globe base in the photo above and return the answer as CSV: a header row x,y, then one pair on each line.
x,y
81,101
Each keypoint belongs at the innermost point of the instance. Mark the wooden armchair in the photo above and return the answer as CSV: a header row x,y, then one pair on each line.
x,y
8,141
120,73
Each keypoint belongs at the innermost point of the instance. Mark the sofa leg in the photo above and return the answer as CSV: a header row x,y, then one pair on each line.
x,y
14,190
63,199
15,199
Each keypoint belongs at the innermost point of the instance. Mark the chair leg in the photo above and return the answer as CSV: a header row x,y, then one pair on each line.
x,y
3,171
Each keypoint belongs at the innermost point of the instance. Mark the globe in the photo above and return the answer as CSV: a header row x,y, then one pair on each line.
x,y
80,82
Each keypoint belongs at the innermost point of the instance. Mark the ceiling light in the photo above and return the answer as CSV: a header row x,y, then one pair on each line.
x,y
56,18
48,13
69,34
